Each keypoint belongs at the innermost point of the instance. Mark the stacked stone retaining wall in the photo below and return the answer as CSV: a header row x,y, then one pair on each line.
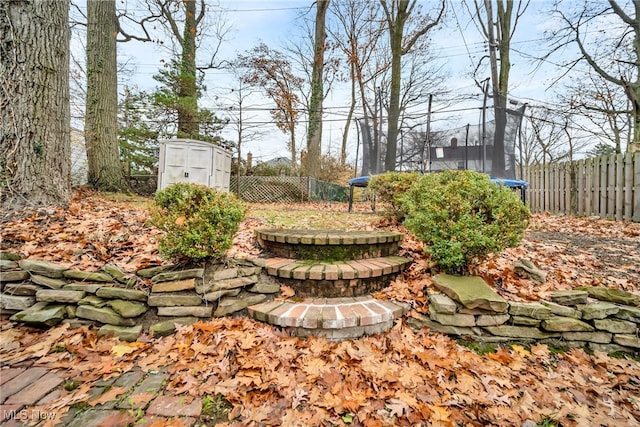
x,y
44,294
597,318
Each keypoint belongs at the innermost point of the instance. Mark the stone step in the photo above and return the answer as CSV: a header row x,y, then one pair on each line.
x,y
287,268
329,244
333,318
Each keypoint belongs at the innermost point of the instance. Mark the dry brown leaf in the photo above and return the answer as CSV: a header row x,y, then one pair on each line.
x,y
109,395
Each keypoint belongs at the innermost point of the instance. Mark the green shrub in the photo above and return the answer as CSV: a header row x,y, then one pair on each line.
x,y
199,221
462,217
389,188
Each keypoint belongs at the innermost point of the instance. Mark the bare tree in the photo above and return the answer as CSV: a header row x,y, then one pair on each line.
x,y
314,133
397,13
239,116
270,70
603,105
498,30
613,55
35,159
357,33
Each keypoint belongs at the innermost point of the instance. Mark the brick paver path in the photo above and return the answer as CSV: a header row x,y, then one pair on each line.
x,y
144,400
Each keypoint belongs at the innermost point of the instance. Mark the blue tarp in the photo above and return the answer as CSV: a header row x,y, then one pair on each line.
x,y
511,183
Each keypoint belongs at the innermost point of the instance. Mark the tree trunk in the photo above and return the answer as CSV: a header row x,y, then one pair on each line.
x,y
396,33
314,137
101,119
35,153
352,107
188,125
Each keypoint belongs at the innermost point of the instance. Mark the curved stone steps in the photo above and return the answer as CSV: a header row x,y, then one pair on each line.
x,y
329,244
333,318
327,237
287,268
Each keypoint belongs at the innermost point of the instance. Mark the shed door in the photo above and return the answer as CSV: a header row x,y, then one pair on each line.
x,y
187,164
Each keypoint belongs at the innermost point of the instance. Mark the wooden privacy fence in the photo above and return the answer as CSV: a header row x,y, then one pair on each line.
x,y
607,186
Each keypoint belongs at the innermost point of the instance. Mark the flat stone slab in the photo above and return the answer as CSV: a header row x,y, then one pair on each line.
x,y
612,295
569,297
121,293
21,289
174,286
471,292
41,314
182,311
87,276
43,268
168,327
59,295
168,276
14,276
103,315
13,302
123,332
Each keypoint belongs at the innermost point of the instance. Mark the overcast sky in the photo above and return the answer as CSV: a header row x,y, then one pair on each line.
x,y
459,46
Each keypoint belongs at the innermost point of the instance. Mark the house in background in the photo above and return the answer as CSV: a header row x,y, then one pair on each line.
x,y
79,164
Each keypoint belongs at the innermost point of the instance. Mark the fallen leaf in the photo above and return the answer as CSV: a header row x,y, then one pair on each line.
x,y
122,349
109,395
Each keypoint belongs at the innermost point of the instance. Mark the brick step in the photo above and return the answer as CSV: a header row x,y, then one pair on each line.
x,y
287,268
329,244
333,318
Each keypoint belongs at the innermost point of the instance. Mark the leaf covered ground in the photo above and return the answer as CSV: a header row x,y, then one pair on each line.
x,y
402,377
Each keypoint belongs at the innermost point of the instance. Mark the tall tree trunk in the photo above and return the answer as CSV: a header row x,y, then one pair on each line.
x,y
396,32
352,107
188,124
397,13
314,137
35,153
101,119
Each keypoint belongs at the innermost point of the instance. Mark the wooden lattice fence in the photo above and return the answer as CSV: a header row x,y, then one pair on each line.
x,y
286,189
608,187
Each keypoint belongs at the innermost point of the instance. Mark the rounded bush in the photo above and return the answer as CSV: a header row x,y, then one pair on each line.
x,y
199,221
389,187
462,217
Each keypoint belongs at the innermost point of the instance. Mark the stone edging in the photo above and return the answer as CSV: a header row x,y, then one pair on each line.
x,y
595,317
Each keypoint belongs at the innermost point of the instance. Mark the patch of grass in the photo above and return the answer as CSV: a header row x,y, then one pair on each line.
x,y
215,408
59,348
547,422
129,198
623,355
479,348
70,385
311,218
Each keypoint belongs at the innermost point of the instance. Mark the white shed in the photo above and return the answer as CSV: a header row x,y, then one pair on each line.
x,y
197,162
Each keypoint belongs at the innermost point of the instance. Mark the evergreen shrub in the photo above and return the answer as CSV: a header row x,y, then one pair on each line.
x,y
199,221
462,217
389,187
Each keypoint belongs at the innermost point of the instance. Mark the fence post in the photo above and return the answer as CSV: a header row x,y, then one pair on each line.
x,y
573,190
580,187
619,186
628,187
636,186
